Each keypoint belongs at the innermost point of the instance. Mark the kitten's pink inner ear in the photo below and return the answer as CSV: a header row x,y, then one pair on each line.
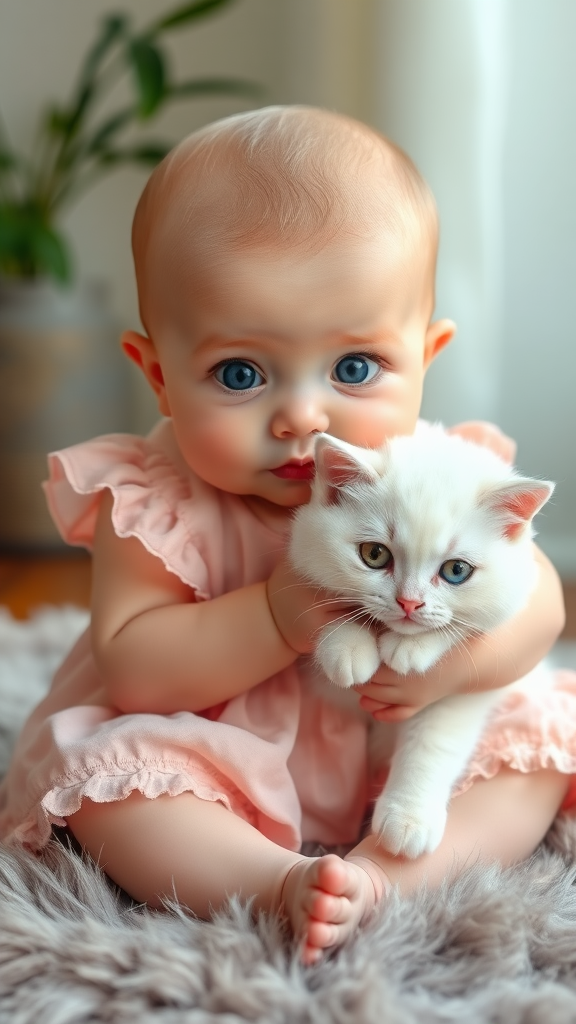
x,y
336,468
339,468
521,506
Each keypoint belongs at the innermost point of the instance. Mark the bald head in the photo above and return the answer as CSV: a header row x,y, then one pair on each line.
x,y
274,179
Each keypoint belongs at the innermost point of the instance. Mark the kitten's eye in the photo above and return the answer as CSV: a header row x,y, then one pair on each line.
x,y
375,556
237,375
455,571
355,369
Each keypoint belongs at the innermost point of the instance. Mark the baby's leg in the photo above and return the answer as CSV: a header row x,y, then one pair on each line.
x,y
500,820
201,853
182,847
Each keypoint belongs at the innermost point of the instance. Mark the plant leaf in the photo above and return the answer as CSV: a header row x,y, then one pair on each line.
x,y
214,87
59,121
114,26
148,66
7,160
8,230
56,121
15,235
146,153
109,128
189,12
51,252
29,246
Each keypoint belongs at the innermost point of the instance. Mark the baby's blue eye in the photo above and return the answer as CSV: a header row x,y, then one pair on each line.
x,y
455,571
355,369
238,375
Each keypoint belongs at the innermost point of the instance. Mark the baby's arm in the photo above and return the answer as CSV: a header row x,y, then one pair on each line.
x,y
159,651
487,662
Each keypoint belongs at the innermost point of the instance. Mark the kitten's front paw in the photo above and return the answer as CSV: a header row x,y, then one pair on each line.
x,y
405,654
347,654
410,830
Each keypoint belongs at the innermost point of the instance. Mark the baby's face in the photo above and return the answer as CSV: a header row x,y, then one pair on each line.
x,y
267,351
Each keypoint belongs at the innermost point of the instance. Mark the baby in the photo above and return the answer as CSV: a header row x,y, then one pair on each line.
x,y
285,265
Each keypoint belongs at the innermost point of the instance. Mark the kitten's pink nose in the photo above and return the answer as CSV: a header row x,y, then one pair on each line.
x,y
407,605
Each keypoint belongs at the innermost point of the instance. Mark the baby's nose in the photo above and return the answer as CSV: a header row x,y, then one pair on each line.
x,y
299,415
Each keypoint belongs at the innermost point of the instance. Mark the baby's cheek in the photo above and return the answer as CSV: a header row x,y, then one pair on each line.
x,y
220,445
384,419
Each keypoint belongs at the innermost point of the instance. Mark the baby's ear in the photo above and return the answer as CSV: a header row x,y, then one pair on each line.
x,y
438,335
141,350
338,466
516,503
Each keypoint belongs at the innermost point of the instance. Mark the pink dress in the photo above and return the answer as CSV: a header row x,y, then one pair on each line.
x,y
284,758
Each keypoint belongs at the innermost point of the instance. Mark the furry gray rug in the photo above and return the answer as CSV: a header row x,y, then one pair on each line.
x,y
496,947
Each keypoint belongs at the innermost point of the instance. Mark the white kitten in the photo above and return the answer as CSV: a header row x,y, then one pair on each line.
x,y
431,538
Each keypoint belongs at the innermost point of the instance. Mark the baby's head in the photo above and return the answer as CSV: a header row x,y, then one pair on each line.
x,y
270,248
277,180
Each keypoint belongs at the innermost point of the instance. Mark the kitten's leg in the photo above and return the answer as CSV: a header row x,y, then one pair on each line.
x,y
432,750
497,821
415,652
347,653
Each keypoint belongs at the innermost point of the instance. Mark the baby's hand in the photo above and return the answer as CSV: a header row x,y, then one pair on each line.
x,y
489,436
390,697
300,610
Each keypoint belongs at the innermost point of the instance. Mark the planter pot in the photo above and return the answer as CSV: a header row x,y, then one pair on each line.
x,y
62,380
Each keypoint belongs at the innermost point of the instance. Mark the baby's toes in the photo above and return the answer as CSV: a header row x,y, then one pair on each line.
x,y
320,905
326,901
310,955
335,877
324,907
321,935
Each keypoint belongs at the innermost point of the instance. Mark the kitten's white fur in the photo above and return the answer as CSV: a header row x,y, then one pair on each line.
x,y
428,498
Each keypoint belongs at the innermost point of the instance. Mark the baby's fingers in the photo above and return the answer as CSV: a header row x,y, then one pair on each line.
x,y
395,712
384,691
387,712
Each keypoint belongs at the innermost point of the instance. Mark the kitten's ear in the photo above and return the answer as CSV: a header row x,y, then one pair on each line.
x,y
516,503
340,465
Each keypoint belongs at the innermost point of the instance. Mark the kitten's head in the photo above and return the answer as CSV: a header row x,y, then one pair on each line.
x,y
430,532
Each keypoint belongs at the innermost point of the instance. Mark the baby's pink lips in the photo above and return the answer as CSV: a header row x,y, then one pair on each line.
x,y
295,470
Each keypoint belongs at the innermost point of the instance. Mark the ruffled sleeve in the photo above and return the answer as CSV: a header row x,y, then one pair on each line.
x,y
152,501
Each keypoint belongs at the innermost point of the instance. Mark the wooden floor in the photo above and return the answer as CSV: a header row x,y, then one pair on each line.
x,y
27,582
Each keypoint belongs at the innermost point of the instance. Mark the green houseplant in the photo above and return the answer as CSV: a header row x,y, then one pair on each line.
x,y
61,376
75,144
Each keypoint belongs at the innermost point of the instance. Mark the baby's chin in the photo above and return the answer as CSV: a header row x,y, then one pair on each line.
x,y
288,494
289,503
279,507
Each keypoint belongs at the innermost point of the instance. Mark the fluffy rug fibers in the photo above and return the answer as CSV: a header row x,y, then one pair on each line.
x,y
494,946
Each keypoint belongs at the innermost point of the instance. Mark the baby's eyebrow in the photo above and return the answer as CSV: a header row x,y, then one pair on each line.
x,y
259,339
221,341
372,338
255,338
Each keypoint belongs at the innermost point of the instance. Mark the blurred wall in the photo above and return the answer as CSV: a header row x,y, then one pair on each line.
x,y
482,93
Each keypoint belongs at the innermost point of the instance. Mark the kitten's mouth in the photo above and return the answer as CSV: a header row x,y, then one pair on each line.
x,y
407,625
295,470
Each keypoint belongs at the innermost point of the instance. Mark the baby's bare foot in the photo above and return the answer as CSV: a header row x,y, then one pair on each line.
x,y
326,898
